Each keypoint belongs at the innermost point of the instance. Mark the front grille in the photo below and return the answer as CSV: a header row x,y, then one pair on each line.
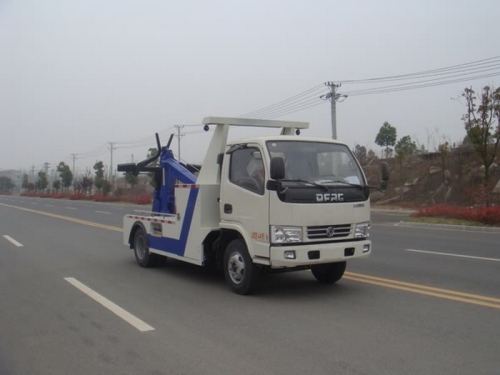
x,y
328,231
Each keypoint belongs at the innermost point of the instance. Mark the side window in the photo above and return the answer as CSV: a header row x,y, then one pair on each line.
x,y
246,169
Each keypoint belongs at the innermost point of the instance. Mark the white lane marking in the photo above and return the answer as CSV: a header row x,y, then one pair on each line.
x,y
13,241
103,212
49,205
114,308
453,255
71,208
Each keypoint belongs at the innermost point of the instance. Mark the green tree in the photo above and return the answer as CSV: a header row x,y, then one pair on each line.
x,y
386,137
152,151
401,156
99,176
407,145
42,182
56,185
87,183
6,184
482,124
25,182
360,153
131,179
106,187
65,174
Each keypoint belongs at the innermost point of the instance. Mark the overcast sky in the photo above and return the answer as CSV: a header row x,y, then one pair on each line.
x,y
76,75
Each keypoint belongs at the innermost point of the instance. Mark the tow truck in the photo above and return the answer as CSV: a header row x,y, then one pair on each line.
x,y
260,204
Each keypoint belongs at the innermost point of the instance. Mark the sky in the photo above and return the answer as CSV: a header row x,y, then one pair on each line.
x,y
84,80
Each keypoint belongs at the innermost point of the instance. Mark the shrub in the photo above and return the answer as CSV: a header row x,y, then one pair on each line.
x,y
485,215
106,198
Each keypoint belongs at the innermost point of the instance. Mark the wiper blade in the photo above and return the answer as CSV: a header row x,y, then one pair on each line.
x,y
348,183
357,185
307,182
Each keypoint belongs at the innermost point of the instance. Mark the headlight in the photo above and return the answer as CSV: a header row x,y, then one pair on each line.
x,y
280,234
362,230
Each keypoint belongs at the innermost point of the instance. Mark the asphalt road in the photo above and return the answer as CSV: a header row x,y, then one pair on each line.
x,y
73,301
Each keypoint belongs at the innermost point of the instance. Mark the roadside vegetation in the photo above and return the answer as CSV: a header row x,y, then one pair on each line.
x,y
448,214
135,199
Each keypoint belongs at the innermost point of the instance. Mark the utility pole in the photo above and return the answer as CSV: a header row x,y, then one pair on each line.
x,y
73,156
179,135
111,148
333,97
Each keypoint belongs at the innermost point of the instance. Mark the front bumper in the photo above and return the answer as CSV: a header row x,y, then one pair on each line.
x,y
309,254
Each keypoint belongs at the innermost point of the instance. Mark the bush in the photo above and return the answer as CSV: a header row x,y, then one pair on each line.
x,y
484,215
106,198
79,196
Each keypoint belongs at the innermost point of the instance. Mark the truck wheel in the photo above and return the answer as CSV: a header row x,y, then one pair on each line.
x,y
239,271
141,250
328,273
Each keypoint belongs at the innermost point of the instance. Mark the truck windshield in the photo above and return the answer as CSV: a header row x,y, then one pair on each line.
x,y
317,162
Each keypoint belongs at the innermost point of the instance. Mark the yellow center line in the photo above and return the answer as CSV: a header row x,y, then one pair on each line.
x,y
453,295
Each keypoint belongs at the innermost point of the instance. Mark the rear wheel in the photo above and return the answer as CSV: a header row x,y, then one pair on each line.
x,y
141,250
239,271
328,273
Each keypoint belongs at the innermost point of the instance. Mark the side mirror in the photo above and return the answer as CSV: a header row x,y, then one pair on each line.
x,y
277,168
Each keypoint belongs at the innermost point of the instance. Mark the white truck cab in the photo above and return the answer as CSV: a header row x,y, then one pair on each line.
x,y
260,204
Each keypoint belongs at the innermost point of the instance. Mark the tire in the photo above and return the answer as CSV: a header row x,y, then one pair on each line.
x,y
328,273
141,250
239,271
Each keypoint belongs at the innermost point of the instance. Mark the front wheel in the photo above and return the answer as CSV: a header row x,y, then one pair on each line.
x,y
328,273
239,271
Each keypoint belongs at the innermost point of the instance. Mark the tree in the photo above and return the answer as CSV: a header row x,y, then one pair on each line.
x,y
407,145
153,151
386,137
482,124
371,154
65,174
444,152
360,153
25,182
56,185
42,182
99,176
6,184
106,187
131,179
400,157
87,183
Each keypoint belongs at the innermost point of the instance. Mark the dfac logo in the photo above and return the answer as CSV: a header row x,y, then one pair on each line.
x,y
330,231
330,197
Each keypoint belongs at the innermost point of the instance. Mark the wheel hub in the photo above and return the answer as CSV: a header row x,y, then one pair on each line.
x,y
236,268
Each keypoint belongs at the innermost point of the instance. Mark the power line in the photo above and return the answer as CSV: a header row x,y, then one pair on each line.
x,y
441,76
296,98
415,85
478,63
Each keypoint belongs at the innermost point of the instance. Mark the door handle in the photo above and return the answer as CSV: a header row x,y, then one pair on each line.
x,y
228,208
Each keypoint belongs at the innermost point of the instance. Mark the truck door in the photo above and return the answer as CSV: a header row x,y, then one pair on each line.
x,y
244,199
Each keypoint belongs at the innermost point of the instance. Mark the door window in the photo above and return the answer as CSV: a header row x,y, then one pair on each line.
x,y
247,169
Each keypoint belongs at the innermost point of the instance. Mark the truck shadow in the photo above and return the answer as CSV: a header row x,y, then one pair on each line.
x,y
300,284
